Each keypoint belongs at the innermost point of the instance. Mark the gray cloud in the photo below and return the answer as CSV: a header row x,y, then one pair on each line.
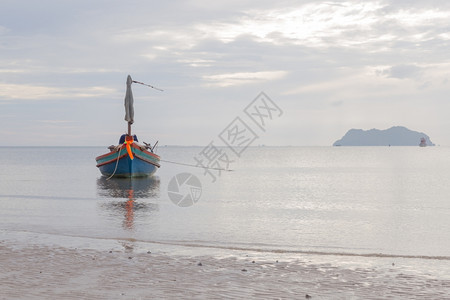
x,y
403,71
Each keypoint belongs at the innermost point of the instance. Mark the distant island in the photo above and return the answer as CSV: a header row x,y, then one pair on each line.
x,y
394,136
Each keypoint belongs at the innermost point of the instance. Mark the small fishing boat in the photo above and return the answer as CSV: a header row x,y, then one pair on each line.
x,y
423,142
129,158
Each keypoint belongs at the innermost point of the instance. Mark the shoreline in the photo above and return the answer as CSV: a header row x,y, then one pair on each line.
x,y
36,271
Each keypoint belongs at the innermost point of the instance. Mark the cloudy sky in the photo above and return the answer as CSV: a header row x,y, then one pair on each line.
x,y
329,65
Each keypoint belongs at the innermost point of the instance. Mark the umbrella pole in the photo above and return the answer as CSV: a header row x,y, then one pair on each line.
x,y
129,128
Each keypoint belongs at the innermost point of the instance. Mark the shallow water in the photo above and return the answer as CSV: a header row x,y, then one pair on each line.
x,y
346,206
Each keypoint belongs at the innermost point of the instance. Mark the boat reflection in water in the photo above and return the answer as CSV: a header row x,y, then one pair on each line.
x,y
128,197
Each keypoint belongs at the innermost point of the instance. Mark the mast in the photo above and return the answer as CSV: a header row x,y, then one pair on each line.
x,y
129,109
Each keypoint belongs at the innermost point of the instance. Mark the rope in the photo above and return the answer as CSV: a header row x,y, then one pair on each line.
x,y
117,163
195,166
153,87
171,162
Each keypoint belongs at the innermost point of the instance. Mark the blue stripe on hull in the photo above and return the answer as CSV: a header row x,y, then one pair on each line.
x,y
128,168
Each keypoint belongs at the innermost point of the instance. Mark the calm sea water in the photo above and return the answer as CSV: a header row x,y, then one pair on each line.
x,y
341,204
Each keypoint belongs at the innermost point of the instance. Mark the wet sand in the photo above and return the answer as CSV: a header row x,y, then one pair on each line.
x,y
43,272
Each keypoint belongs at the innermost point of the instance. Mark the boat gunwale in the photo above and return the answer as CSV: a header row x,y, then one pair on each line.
x,y
138,155
134,145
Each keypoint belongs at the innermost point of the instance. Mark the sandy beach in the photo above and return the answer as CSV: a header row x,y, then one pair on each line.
x,y
43,272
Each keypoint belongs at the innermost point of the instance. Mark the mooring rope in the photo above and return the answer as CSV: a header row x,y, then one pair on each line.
x,y
195,166
171,162
117,163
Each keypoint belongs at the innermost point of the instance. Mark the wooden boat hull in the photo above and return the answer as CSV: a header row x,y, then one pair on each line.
x,y
119,164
